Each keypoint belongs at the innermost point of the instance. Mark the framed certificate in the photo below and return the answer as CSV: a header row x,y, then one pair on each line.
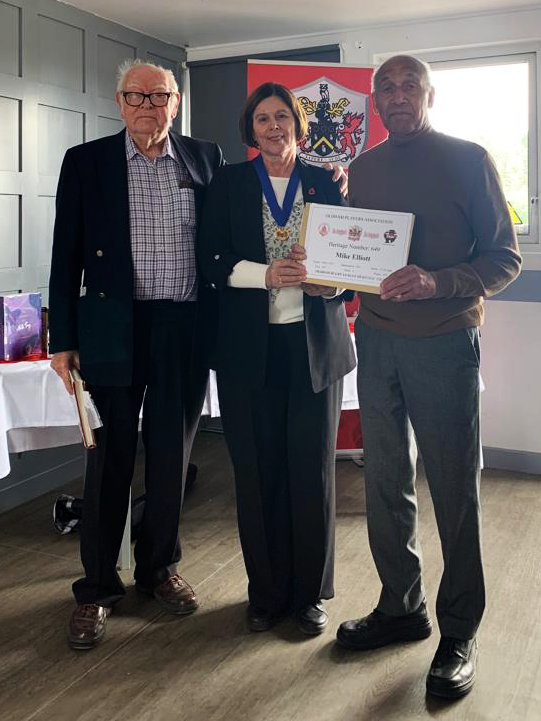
x,y
354,247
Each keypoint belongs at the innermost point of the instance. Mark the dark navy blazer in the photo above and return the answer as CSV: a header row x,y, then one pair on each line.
x,y
92,249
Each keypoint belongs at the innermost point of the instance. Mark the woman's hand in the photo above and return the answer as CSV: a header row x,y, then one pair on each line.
x,y
285,273
325,291
297,252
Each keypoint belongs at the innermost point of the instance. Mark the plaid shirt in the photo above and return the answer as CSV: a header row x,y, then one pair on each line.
x,y
162,225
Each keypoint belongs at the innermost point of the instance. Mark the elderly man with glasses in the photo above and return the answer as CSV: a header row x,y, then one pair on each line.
x,y
126,307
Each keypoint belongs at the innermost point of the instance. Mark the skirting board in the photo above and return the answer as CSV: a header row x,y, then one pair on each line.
x,y
44,471
498,458
508,460
501,459
37,472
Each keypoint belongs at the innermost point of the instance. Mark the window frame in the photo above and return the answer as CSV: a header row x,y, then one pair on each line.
x,y
530,242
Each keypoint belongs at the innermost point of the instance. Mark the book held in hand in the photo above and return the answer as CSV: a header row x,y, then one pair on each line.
x,y
85,409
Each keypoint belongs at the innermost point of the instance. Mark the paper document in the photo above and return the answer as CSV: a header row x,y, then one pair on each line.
x,y
354,247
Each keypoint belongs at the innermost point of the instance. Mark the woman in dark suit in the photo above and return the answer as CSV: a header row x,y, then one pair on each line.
x,y
283,347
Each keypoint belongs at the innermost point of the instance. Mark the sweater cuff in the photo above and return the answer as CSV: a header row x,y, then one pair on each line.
x,y
247,274
444,283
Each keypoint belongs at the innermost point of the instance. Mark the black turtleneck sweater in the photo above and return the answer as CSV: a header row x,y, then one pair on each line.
x,y
462,233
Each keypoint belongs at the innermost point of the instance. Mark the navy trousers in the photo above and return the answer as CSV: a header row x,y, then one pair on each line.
x,y
171,388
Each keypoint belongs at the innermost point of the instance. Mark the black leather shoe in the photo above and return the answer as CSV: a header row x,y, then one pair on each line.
x,y
378,629
260,620
452,673
312,619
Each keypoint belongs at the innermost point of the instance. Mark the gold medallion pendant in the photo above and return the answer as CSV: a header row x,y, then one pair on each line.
x,y
282,234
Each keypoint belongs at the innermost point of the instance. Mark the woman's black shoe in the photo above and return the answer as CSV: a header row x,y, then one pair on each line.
x,y
312,619
259,619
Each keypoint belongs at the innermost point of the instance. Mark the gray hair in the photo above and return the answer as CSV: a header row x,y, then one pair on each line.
x,y
128,65
422,66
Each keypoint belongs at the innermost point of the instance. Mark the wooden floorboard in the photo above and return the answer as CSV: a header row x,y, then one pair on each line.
x,y
208,667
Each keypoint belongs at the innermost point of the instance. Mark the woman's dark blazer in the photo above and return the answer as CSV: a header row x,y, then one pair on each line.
x,y
232,230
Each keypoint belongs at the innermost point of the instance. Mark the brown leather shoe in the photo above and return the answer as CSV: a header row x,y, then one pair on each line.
x,y
87,625
174,595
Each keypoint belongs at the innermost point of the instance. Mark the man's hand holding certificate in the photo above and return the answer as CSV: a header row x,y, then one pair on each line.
x,y
353,247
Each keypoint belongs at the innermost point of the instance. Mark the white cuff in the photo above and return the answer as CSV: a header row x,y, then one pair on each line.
x,y
247,274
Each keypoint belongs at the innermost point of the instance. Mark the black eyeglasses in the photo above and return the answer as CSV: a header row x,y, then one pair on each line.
x,y
158,100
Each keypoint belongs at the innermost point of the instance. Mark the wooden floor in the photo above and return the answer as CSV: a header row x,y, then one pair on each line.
x,y
207,667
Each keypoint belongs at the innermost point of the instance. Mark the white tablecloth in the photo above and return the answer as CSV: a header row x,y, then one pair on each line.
x,y
36,412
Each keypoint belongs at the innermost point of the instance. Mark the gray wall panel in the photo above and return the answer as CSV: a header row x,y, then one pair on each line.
x,y
108,126
172,65
9,231
110,54
10,118
46,213
58,130
61,54
10,39
44,290
61,95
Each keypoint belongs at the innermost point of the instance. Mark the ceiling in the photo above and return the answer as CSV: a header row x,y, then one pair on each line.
x,y
197,23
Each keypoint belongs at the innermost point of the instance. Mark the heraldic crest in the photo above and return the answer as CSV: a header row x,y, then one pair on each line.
x,y
338,133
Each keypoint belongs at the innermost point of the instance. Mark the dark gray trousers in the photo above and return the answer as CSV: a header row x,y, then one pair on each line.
x,y
430,385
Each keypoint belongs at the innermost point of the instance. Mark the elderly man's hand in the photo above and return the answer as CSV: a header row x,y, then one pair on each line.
x,y
62,363
339,176
408,283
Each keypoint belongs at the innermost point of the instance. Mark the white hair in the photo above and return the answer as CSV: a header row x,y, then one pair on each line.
x,y
128,65
424,67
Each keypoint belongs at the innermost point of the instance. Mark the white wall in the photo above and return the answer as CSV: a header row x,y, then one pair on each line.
x,y
510,367
511,338
361,44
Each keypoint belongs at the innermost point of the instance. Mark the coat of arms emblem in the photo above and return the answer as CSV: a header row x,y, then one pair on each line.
x,y
337,125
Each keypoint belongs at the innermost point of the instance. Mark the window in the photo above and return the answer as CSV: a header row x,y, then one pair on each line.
x,y
491,101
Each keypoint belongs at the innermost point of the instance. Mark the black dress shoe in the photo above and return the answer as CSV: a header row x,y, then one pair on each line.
x,y
452,673
378,629
260,620
312,619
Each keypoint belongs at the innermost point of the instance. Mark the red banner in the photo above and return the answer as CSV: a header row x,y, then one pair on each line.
x,y
336,98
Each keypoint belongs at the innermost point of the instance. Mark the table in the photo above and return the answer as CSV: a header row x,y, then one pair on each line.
x,y
36,412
